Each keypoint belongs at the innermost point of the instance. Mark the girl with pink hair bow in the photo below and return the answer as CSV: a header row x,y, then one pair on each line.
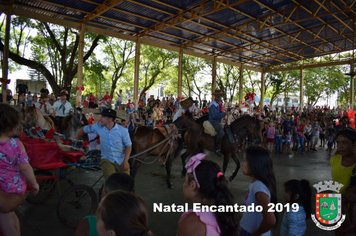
x,y
206,184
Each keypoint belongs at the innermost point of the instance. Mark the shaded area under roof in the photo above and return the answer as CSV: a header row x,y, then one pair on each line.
x,y
259,33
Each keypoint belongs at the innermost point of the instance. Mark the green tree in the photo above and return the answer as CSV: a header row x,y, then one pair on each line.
x,y
119,57
155,64
60,48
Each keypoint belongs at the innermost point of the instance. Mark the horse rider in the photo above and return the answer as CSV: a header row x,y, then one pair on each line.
x,y
187,104
115,143
62,108
46,108
216,113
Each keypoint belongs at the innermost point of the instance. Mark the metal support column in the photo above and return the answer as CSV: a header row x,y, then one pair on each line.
x,y
213,82
5,62
137,71
262,90
80,65
180,72
241,85
352,83
301,89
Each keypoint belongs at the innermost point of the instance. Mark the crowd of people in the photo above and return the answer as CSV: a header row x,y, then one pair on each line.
x,y
122,212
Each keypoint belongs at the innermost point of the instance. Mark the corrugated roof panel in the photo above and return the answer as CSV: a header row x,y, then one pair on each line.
x,y
220,45
180,33
172,39
130,19
183,4
119,25
197,28
147,11
235,41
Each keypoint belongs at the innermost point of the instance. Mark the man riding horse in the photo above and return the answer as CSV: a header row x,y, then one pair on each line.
x,y
216,113
62,108
46,108
187,104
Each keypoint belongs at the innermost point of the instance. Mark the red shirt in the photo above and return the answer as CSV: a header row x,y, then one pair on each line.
x,y
107,98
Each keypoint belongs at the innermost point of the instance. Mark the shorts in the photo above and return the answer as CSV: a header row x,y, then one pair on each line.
x,y
270,140
308,137
288,143
330,144
321,136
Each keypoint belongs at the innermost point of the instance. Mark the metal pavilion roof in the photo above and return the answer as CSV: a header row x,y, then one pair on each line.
x,y
259,33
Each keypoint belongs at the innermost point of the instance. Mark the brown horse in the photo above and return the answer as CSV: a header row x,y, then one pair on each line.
x,y
145,137
34,118
196,140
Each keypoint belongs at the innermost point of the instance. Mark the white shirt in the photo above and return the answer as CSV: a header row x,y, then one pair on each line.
x,y
43,107
62,109
181,110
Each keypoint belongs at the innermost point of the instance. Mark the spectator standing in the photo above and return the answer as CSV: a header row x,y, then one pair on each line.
x,y
91,100
315,135
29,99
44,90
22,88
107,99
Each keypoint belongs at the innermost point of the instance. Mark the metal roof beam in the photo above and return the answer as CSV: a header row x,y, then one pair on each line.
x,y
102,8
200,10
322,64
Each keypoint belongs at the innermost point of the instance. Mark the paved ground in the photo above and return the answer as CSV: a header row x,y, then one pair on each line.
x,y
150,185
42,220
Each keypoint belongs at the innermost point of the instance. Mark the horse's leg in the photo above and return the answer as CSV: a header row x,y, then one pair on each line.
x,y
136,164
168,171
236,160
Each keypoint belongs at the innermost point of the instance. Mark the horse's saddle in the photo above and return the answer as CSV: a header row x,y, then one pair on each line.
x,y
166,129
49,120
209,128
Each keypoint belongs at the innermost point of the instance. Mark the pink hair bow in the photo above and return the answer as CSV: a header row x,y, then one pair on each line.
x,y
193,162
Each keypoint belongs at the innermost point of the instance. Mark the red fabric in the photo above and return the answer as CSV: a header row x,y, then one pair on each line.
x,y
47,155
221,107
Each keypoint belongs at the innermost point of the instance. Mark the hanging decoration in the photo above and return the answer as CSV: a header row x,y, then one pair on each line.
x,y
351,115
250,98
77,88
82,88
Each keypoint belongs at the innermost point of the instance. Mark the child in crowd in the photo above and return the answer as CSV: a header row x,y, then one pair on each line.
x,y
206,184
294,223
122,213
91,118
116,181
288,142
270,136
15,169
258,165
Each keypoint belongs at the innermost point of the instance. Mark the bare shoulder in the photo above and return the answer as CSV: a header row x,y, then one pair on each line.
x,y
191,225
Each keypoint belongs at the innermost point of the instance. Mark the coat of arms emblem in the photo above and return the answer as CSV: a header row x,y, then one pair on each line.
x,y
328,206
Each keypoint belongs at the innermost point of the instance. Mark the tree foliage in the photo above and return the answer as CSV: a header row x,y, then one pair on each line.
x,y
57,45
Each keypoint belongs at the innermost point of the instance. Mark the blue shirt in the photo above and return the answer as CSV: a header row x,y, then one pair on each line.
x,y
250,221
113,143
215,114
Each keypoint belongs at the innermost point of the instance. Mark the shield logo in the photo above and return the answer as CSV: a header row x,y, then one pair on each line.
x,y
328,208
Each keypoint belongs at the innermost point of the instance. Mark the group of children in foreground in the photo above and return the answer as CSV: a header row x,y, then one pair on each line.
x,y
204,183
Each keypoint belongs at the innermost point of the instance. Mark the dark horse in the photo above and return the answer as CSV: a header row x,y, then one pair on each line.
x,y
196,140
145,137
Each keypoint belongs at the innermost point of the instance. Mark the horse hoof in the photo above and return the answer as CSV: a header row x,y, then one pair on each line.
x,y
170,186
231,178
